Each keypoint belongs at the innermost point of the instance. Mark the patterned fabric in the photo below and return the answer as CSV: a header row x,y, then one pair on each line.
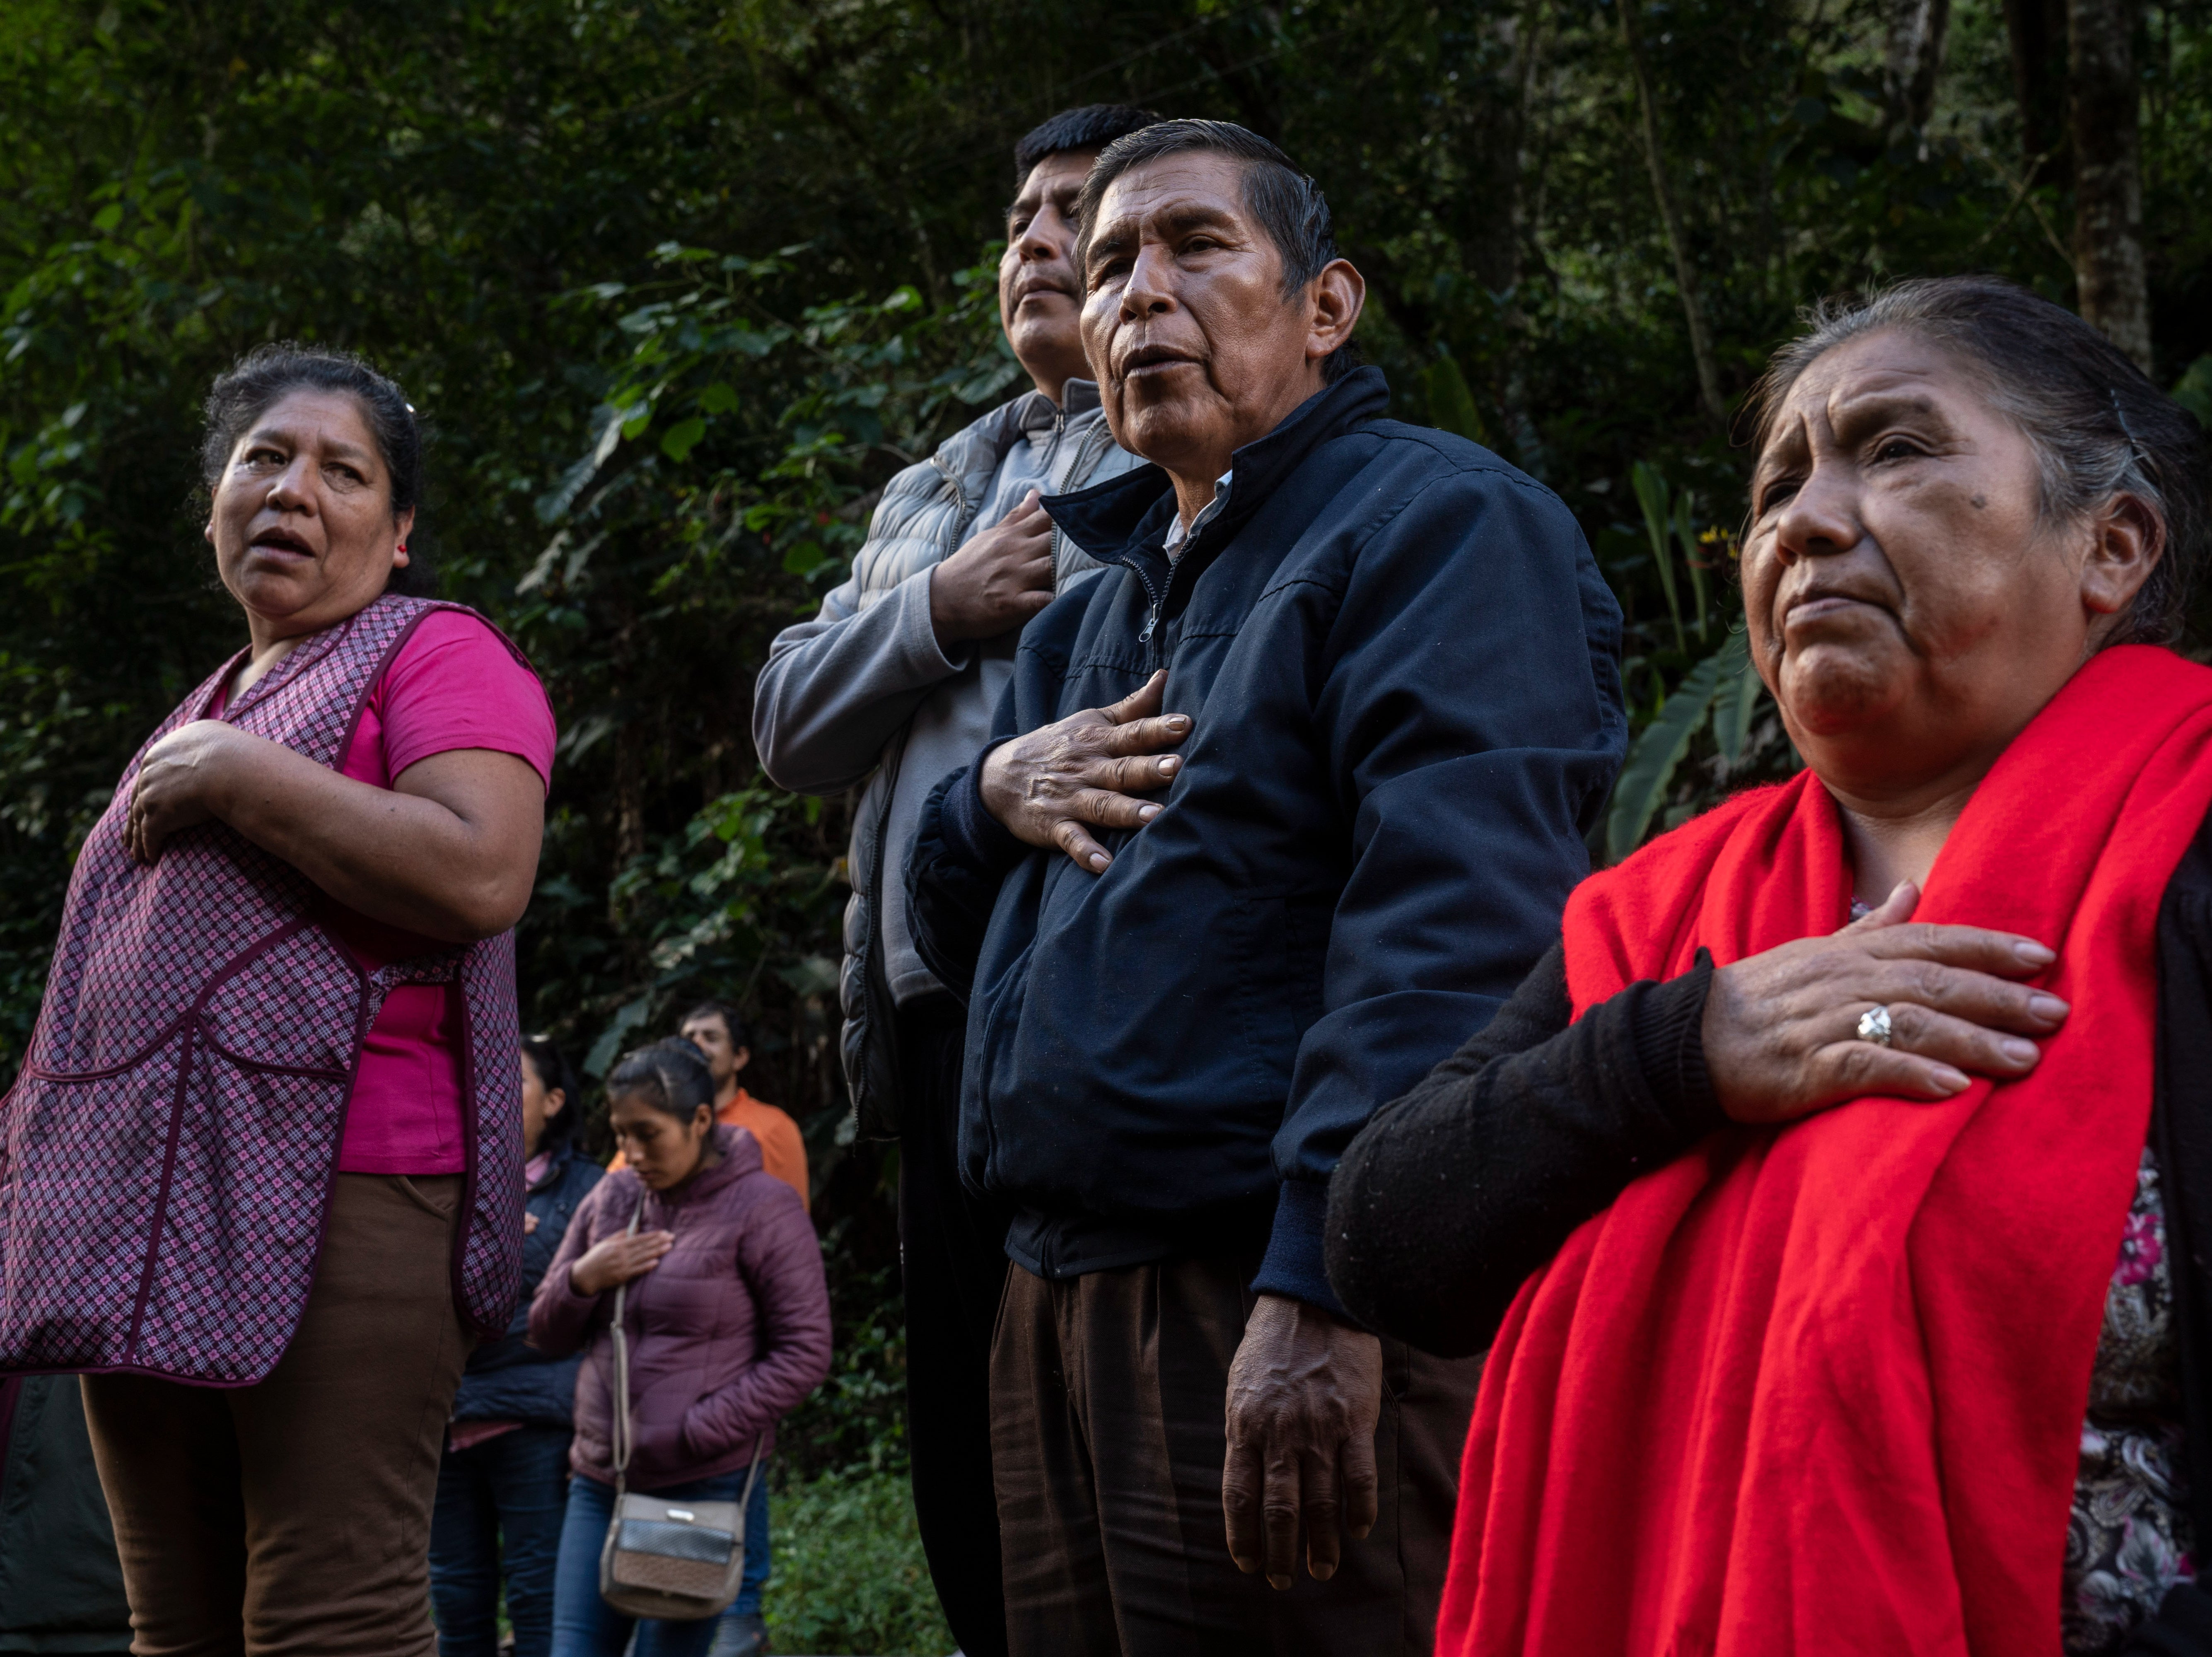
x,y
2129,1538
165,1156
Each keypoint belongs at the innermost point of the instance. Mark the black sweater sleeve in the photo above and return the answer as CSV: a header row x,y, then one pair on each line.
x,y
960,855
1452,1195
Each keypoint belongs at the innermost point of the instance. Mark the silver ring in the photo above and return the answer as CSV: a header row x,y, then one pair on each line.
x,y
1873,1026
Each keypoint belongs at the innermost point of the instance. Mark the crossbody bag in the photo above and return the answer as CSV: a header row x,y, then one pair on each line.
x,y
680,1562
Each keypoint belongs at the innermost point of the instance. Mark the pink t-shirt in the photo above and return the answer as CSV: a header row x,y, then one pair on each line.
x,y
453,684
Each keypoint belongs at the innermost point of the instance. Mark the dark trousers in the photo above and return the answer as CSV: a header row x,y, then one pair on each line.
x,y
499,1511
292,1519
1107,1396
953,1263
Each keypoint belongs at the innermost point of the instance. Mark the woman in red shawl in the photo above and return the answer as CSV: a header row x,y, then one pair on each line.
x,y
1844,1163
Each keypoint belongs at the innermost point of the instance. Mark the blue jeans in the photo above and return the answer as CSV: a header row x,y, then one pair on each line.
x,y
585,1625
499,1510
748,1602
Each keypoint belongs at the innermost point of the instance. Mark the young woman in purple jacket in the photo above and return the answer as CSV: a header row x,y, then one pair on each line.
x,y
728,1325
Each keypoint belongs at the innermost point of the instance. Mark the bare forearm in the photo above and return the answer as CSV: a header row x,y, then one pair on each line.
x,y
396,857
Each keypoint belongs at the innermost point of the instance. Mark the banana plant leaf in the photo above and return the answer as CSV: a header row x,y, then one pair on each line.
x,y
1653,757
1651,495
1736,698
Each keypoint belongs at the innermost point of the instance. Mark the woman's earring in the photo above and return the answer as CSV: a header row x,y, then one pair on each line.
x,y
402,546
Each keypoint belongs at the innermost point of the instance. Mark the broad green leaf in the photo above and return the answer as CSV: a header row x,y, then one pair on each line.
x,y
601,1058
1652,759
1688,536
679,439
2193,390
1451,405
1736,698
1651,495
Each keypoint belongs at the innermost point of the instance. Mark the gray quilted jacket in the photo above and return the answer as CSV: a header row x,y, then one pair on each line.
x,y
863,692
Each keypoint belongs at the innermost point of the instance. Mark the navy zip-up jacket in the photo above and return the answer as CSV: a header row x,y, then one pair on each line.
x,y
1401,665
508,1379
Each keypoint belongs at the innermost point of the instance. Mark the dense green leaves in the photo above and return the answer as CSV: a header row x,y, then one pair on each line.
x,y
680,284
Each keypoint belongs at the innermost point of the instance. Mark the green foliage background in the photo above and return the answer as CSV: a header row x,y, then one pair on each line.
x,y
679,284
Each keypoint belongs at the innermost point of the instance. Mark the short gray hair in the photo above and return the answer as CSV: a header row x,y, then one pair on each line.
x,y
2097,424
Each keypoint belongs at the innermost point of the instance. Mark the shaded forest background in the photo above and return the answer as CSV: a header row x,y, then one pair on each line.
x,y
679,284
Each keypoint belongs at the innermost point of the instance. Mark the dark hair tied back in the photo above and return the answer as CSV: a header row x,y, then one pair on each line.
x,y
553,1071
668,1075
2098,426
253,384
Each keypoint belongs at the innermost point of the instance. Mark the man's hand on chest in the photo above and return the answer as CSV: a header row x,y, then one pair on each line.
x,y
1051,786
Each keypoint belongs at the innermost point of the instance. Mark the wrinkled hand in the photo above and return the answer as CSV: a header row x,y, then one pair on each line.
x,y
997,581
1304,1393
1781,1029
614,1260
180,777
1047,785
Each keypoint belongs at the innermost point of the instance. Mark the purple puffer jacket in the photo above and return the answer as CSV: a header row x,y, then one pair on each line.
x,y
726,1333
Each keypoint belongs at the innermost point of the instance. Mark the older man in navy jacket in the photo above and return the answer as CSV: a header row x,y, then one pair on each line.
x,y
1277,811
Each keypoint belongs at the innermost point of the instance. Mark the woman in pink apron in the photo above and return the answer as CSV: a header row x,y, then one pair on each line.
x,y
260,1179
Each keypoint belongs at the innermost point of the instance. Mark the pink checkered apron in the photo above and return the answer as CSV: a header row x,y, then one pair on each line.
x,y
167,1154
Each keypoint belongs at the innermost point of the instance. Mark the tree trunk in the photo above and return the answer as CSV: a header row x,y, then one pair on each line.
x,y
1912,59
1670,216
2036,30
2105,103
1496,145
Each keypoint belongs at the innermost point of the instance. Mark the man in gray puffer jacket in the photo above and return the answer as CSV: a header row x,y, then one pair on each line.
x,y
897,677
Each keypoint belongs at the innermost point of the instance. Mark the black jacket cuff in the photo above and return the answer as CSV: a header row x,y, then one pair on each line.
x,y
1667,1027
971,835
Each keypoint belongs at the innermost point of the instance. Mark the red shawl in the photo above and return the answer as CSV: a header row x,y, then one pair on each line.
x,y
1821,1389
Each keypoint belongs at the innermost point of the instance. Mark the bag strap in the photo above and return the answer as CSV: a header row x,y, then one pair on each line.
x,y
624,1432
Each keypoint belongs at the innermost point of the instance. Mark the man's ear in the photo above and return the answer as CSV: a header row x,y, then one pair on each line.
x,y
1337,296
741,1057
556,1100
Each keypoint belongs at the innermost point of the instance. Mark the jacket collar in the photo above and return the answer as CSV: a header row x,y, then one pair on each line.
x,y
971,456
556,1165
1133,511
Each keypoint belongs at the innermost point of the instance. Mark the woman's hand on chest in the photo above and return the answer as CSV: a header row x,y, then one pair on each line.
x,y
184,779
449,851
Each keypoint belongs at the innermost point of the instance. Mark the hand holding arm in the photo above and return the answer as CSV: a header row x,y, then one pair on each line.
x,y
1305,1391
450,850
1085,769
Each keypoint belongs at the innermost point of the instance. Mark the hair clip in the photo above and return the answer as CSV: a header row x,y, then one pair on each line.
x,y
2135,447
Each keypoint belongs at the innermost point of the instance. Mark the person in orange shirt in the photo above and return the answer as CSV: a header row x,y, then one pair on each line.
x,y
715,1030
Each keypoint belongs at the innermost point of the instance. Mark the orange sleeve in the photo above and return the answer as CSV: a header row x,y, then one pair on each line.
x,y
783,1152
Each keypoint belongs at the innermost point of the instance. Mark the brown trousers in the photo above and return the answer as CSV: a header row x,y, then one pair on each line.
x,y
293,1517
1107,1393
